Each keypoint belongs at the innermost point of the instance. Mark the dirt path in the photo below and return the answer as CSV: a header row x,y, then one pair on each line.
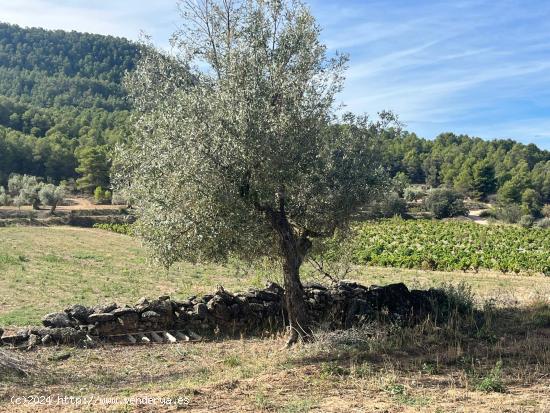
x,y
474,216
73,204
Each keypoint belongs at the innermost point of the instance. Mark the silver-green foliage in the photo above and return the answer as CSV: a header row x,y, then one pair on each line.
x,y
238,123
24,189
4,197
51,195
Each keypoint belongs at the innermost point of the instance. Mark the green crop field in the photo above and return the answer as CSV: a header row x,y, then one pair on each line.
x,y
453,245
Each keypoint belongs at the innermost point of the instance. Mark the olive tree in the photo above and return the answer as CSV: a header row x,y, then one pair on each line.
x,y
4,197
237,150
51,195
25,189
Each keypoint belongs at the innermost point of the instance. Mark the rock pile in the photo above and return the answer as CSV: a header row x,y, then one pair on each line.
x,y
224,314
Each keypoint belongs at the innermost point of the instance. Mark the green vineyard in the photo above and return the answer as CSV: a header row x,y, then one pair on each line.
x,y
453,245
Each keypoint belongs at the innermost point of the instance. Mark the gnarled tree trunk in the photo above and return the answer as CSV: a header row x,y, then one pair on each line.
x,y
293,249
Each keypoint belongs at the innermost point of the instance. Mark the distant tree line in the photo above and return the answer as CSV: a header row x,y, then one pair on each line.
x,y
63,108
477,168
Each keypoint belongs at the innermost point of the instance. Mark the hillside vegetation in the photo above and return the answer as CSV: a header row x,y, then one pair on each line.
x,y
63,107
62,104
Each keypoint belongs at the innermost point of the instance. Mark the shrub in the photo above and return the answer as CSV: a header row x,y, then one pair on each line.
x,y
543,223
25,188
400,182
118,199
102,196
526,221
392,205
4,197
412,194
98,194
531,202
445,203
546,211
488,213
511,213
125,229
493,381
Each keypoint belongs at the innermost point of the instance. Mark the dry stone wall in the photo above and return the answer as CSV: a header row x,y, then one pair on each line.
x,y
223,314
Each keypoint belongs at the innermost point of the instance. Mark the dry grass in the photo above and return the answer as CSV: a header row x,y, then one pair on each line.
x,y
429,368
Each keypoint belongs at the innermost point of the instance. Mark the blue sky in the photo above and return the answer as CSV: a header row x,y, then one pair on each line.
x,y
480,67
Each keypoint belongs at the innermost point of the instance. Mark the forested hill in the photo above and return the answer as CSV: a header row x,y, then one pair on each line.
x,y
63,107
57,68
62,104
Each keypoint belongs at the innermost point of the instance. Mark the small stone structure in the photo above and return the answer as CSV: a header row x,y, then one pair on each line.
x,y
255,312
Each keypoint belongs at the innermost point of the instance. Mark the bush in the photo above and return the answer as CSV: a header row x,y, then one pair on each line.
x,y
488,213
526,221
511,213
102,196
392,205
493,381
4,197
400,182
24,189
546,211
531,202
445,203
412,194
543,223
118,199
125,229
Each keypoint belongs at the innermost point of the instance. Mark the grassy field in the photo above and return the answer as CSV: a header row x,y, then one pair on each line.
x,y
45,269
502,366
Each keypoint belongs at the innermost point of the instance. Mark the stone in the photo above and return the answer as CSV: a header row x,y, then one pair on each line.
x,y
267,296
201,310
163,307
129,321
314,286
150,315
79,313
186,304
33,341
275,288
218,308
142,301
107,308
15,338
256,308
106,328
338,306
57,320
101,317
119,312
